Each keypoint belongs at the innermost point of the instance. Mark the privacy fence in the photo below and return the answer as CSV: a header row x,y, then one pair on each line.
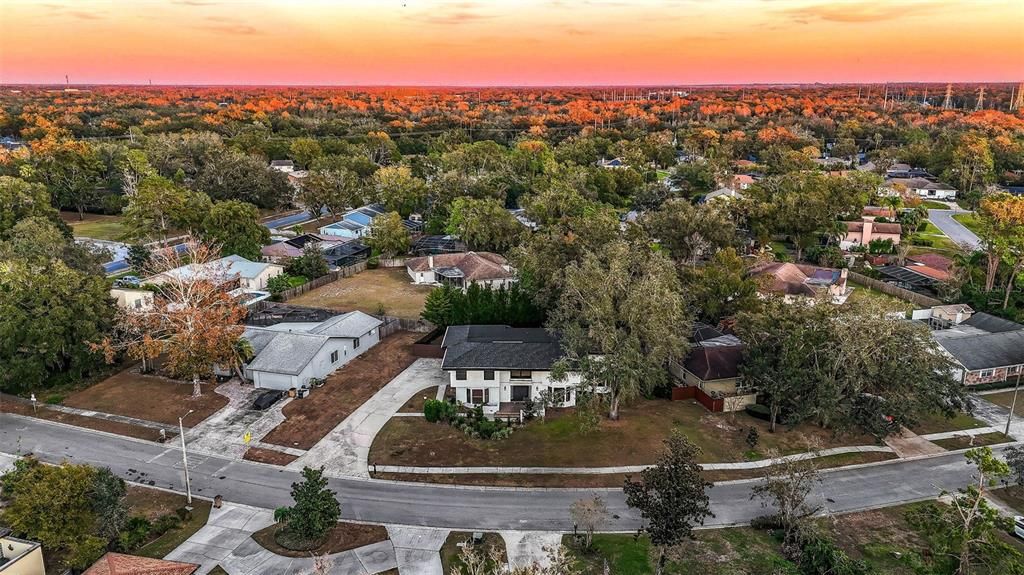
x,y
895,291
345,272
267,313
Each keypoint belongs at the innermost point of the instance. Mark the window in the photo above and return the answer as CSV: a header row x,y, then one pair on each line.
x,y
1014,369
355,343
477,396
987,373
559,395
489,374
521,374
460,374
334,356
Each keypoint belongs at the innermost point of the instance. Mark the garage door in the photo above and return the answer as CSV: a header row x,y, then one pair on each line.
x,y
273,380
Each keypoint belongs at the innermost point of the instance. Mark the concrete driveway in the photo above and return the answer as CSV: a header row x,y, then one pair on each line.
x,y
943,219
223,432
345,449
226,541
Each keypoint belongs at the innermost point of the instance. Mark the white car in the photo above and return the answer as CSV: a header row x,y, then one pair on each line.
x,y
1018,526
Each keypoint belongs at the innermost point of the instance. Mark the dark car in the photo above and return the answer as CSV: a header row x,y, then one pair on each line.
x,y
267,399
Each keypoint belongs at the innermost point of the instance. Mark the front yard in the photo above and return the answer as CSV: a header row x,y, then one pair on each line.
x,y
389,290
148,397
636,439
309,420
1005,399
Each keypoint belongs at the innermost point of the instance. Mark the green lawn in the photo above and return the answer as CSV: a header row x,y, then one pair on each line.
x,y
97,227
1005,399
964,442
863,295
969,221
161,546
937,423
933,205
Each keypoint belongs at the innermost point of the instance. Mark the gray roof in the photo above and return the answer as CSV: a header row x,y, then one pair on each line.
x,y
985,351
352,324
287,352
499,347
991,323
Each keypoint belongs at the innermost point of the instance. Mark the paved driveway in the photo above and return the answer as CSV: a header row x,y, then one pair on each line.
x,y
345,449
226,540
943,219
223,432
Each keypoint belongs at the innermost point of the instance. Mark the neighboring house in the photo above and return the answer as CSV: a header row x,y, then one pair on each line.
x,y
289,355
120,564
244,279
794,281
917,278
19,556
710,372
249,275
356,223
346,254
922,187
501,368
461,270
612,163
986,348
740,182
130,298
281,252
723,193
284,166
867,230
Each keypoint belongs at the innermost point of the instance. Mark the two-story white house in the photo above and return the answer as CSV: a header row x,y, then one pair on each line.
x,y
500,367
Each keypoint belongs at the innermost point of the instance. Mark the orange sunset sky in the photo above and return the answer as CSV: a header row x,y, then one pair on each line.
x,y
509,42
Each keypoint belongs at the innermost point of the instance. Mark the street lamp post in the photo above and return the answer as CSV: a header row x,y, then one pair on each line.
x,y
184,460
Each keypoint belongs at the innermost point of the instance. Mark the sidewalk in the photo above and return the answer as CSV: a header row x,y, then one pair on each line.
x,y
626,468
345,449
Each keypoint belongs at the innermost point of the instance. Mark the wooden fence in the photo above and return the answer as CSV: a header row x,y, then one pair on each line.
x,y
266,313
345,272
895,291
392,262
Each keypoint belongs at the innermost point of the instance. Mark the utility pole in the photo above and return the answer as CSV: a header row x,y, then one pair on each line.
x,y
1013,405
184,460
947,103
1017,102
981,99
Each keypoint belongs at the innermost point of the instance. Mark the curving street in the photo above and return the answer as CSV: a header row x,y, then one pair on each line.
x,y
943,219
457,507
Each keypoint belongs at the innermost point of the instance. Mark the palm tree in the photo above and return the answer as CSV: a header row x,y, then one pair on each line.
x,y
242,354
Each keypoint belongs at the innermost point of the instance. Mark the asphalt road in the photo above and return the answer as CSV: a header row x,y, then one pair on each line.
x,y
454,507
943,219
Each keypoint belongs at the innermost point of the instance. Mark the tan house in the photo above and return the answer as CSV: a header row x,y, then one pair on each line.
x,y
710,372
461,270
796,281
130,298
867,230
20,557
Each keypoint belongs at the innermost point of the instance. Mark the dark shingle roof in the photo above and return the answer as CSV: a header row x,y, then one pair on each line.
x,y
987,351
991,323
499,347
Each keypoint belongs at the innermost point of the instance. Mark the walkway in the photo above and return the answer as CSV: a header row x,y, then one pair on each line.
x,y
910,444
344,451
628,468
996,416
226,540
943,219
417,549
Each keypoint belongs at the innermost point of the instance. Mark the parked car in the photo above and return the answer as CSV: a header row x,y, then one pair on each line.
x,y
1018,526
267,399
128,282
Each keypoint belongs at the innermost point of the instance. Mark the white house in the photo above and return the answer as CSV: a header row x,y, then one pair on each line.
x,y
922,187
131,298
291,354
461,270
500,367
251,279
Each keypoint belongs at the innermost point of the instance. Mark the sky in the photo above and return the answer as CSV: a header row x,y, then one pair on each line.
x,y
509,42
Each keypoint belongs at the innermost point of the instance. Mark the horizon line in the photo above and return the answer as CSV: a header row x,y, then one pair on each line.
x,y
492,86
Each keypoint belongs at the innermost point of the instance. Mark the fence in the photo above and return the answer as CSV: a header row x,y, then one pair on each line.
x,y
267,313
321,281
392,262
895,291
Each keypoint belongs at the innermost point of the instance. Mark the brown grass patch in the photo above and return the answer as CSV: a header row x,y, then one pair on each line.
x,y
343,537
368,291
310,419
261,455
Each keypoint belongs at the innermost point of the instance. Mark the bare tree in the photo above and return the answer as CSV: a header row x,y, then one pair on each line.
x,y
194,320
785,488
589,514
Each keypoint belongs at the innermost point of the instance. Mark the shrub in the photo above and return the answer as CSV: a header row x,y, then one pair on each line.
x,y
752,437
163,524
54,399
432,410
135,534
915,241
759,411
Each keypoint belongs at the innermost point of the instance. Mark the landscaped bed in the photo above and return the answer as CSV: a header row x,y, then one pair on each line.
x,y
309,420
154,504
635,439
148,397
451,551
343,537
415,404
370,291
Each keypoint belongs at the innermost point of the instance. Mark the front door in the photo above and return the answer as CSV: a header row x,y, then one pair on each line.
x,y
520,392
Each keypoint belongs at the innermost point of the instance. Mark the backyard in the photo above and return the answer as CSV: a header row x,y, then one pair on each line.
x,y
635,439
309,420
96,226
386,291
864,296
